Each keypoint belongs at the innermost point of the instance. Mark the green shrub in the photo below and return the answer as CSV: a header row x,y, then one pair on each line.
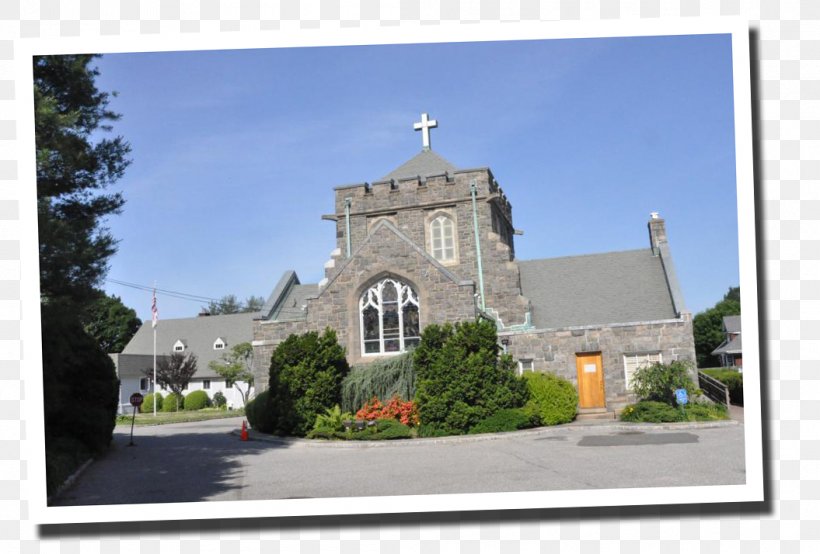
x,y
651,411
430,430
383,429
461,379
259,413
732,379
219,400
658,382
173,402
553,400
306,375
80,388
706,412
147,406
197,400
333,419
382,379
510,419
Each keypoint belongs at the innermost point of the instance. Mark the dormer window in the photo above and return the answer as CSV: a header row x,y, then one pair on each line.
x,y
220,344
179,346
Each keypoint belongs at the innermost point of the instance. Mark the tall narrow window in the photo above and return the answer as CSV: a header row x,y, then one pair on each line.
x,y
389,317
442,239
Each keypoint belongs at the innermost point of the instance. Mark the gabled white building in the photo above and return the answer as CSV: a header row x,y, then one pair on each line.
x,y
208,337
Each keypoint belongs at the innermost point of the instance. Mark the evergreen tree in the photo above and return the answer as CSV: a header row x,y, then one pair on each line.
x,y
74,166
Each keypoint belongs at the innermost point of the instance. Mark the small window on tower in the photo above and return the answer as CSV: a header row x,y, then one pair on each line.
x,y
442,239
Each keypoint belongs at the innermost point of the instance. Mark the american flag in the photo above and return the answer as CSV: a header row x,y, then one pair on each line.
x,y
154,313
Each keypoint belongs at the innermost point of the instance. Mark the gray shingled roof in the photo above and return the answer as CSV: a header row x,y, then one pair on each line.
x,y
199,334
732,323
291,307
734,346
423,164
615,287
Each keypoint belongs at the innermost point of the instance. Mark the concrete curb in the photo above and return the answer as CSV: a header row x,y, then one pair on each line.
x,y
574,427
69,481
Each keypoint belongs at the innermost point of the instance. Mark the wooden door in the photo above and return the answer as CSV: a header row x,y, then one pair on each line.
x,y
590,380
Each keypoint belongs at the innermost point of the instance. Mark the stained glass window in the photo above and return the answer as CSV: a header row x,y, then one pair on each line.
x,y
389,312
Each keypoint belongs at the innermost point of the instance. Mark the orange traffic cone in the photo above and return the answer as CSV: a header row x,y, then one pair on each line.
x,y
244,434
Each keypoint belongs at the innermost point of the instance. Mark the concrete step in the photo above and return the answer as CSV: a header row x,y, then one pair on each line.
x,y
586,415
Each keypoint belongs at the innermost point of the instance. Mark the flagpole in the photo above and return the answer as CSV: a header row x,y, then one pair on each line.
x,y
154,326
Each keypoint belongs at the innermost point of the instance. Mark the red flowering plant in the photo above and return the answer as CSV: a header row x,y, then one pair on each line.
x,y
396,408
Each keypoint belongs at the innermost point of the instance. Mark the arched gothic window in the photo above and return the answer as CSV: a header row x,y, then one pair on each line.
x,y
442,239
389,313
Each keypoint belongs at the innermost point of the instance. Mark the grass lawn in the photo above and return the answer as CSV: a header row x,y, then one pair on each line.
x,y
179,417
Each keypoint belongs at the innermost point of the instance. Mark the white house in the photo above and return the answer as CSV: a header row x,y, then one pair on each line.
x,y
206,336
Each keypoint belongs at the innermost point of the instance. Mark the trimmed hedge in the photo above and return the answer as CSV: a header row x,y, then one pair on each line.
x,y
383,429
197,400
553,400
147,406
511,419
173,402
732,379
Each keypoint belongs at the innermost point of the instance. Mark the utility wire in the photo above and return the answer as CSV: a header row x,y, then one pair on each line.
x,y
171,293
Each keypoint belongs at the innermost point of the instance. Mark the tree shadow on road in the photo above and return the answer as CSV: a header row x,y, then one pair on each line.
x,y
179,467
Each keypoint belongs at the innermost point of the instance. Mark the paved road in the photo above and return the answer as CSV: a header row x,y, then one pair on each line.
x,y
203,461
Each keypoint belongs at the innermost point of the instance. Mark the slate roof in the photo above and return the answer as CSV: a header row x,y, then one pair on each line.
x,y
734,346
596,289
732,323
423,164
290,308
199,334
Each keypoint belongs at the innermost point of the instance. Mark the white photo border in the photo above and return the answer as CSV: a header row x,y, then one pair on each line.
x,y
34,444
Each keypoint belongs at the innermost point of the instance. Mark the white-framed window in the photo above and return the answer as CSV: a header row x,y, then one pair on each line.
x,y
220,344
389,318
442,239
179,346
633,362
524,365
144,383
206,384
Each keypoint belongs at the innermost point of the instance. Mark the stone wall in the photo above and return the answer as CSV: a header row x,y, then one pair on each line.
x,y
554,350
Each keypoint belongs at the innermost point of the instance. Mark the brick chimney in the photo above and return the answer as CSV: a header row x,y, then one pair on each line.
x,y
657,232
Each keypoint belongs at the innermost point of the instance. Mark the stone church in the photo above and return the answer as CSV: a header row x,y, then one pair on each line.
x,y
433,243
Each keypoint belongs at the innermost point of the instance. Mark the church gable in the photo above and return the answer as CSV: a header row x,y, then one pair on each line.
x,y
388,255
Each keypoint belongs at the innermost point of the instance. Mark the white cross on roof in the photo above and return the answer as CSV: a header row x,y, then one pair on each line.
x,y
425,125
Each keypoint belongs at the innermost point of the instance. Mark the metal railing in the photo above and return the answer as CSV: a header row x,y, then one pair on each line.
x,y
713,389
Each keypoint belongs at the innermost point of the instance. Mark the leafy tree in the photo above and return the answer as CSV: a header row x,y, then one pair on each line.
x,y
461,379
253,304
174,372
229,304
707,327
110,322
74,166
236,367
306,375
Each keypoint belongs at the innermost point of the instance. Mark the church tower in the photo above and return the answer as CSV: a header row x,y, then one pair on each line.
x,y
461,218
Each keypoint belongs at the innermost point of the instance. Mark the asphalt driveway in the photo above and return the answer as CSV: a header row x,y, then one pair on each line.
x,y
204,461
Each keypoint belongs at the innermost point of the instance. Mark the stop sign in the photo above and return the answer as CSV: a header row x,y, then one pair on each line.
x,y
136,399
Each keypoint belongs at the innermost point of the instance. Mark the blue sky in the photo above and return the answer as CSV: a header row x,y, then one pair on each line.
x,y
235,153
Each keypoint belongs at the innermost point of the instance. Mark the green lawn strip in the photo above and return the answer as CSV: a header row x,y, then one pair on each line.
x,y
163,418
